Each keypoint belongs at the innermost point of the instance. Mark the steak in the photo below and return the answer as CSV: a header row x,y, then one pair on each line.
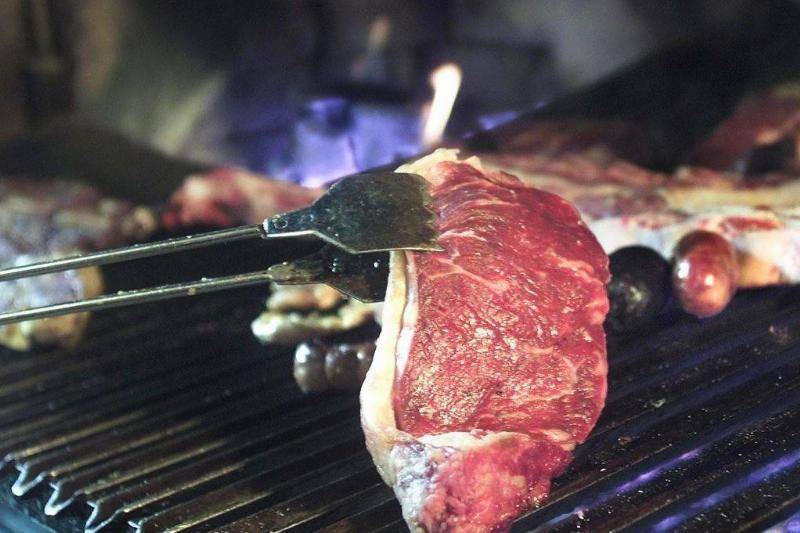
x,y
625,204
762,135
491,364
40,220
227,197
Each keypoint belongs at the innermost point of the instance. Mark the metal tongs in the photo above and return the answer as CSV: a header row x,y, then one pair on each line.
x,y
361,217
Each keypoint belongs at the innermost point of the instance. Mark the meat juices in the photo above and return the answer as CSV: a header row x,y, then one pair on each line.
x,y
491,364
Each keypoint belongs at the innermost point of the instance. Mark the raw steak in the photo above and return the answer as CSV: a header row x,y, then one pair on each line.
x,y
39,220
491,364
625,205
230,196
553,137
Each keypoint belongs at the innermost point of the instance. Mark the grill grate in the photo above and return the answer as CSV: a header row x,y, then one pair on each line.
x,y
171,417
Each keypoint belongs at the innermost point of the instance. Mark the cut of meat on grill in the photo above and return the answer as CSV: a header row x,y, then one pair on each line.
x,y
229,197
762,135
627,205
491,364
555,137
39,220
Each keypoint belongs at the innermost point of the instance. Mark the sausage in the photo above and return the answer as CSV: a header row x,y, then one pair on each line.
x,y
341,367
705,273
309,366
319,367
639,289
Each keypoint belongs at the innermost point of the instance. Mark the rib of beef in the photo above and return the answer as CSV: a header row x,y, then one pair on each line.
x,y
491,364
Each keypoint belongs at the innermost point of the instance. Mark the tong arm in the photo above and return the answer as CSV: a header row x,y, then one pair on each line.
x,y
362,276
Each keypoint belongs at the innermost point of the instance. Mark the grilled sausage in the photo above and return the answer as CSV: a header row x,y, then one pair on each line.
x,y
704,273
343,366
309,366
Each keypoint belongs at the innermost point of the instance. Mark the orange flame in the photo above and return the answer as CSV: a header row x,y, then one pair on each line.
x,y
445,80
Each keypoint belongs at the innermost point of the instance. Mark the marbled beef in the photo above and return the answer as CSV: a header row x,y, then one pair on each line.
x,y
491,365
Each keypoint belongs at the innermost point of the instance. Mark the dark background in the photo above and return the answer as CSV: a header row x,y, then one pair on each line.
x,y
240,82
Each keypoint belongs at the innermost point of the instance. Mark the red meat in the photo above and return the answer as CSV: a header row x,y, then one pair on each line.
x,y
496,351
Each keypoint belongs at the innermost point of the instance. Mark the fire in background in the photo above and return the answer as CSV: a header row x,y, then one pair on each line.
x,y
310,90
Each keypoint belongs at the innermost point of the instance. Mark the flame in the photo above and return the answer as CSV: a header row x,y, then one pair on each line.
x,y
445,80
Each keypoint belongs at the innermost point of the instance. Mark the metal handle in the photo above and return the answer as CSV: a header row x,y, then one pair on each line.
x,y
124,298
136,251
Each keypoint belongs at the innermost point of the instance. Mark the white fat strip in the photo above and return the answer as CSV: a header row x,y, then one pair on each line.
x,y
779,247
574,265
486,202
423,165
601,369
459,233
497,287
409,317
578,267
462,440
377,415
465,441
564,390
466,184
686,198
696,199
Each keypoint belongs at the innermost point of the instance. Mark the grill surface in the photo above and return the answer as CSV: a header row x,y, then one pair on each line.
x,y
171,417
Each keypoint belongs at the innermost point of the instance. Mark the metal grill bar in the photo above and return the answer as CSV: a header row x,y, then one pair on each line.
x,y
103,477
685,477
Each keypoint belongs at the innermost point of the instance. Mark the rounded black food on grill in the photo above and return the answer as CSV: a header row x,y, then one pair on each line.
x,y
639,288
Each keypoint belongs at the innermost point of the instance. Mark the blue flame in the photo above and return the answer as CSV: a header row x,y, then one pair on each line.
x,y
758,476
334,138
